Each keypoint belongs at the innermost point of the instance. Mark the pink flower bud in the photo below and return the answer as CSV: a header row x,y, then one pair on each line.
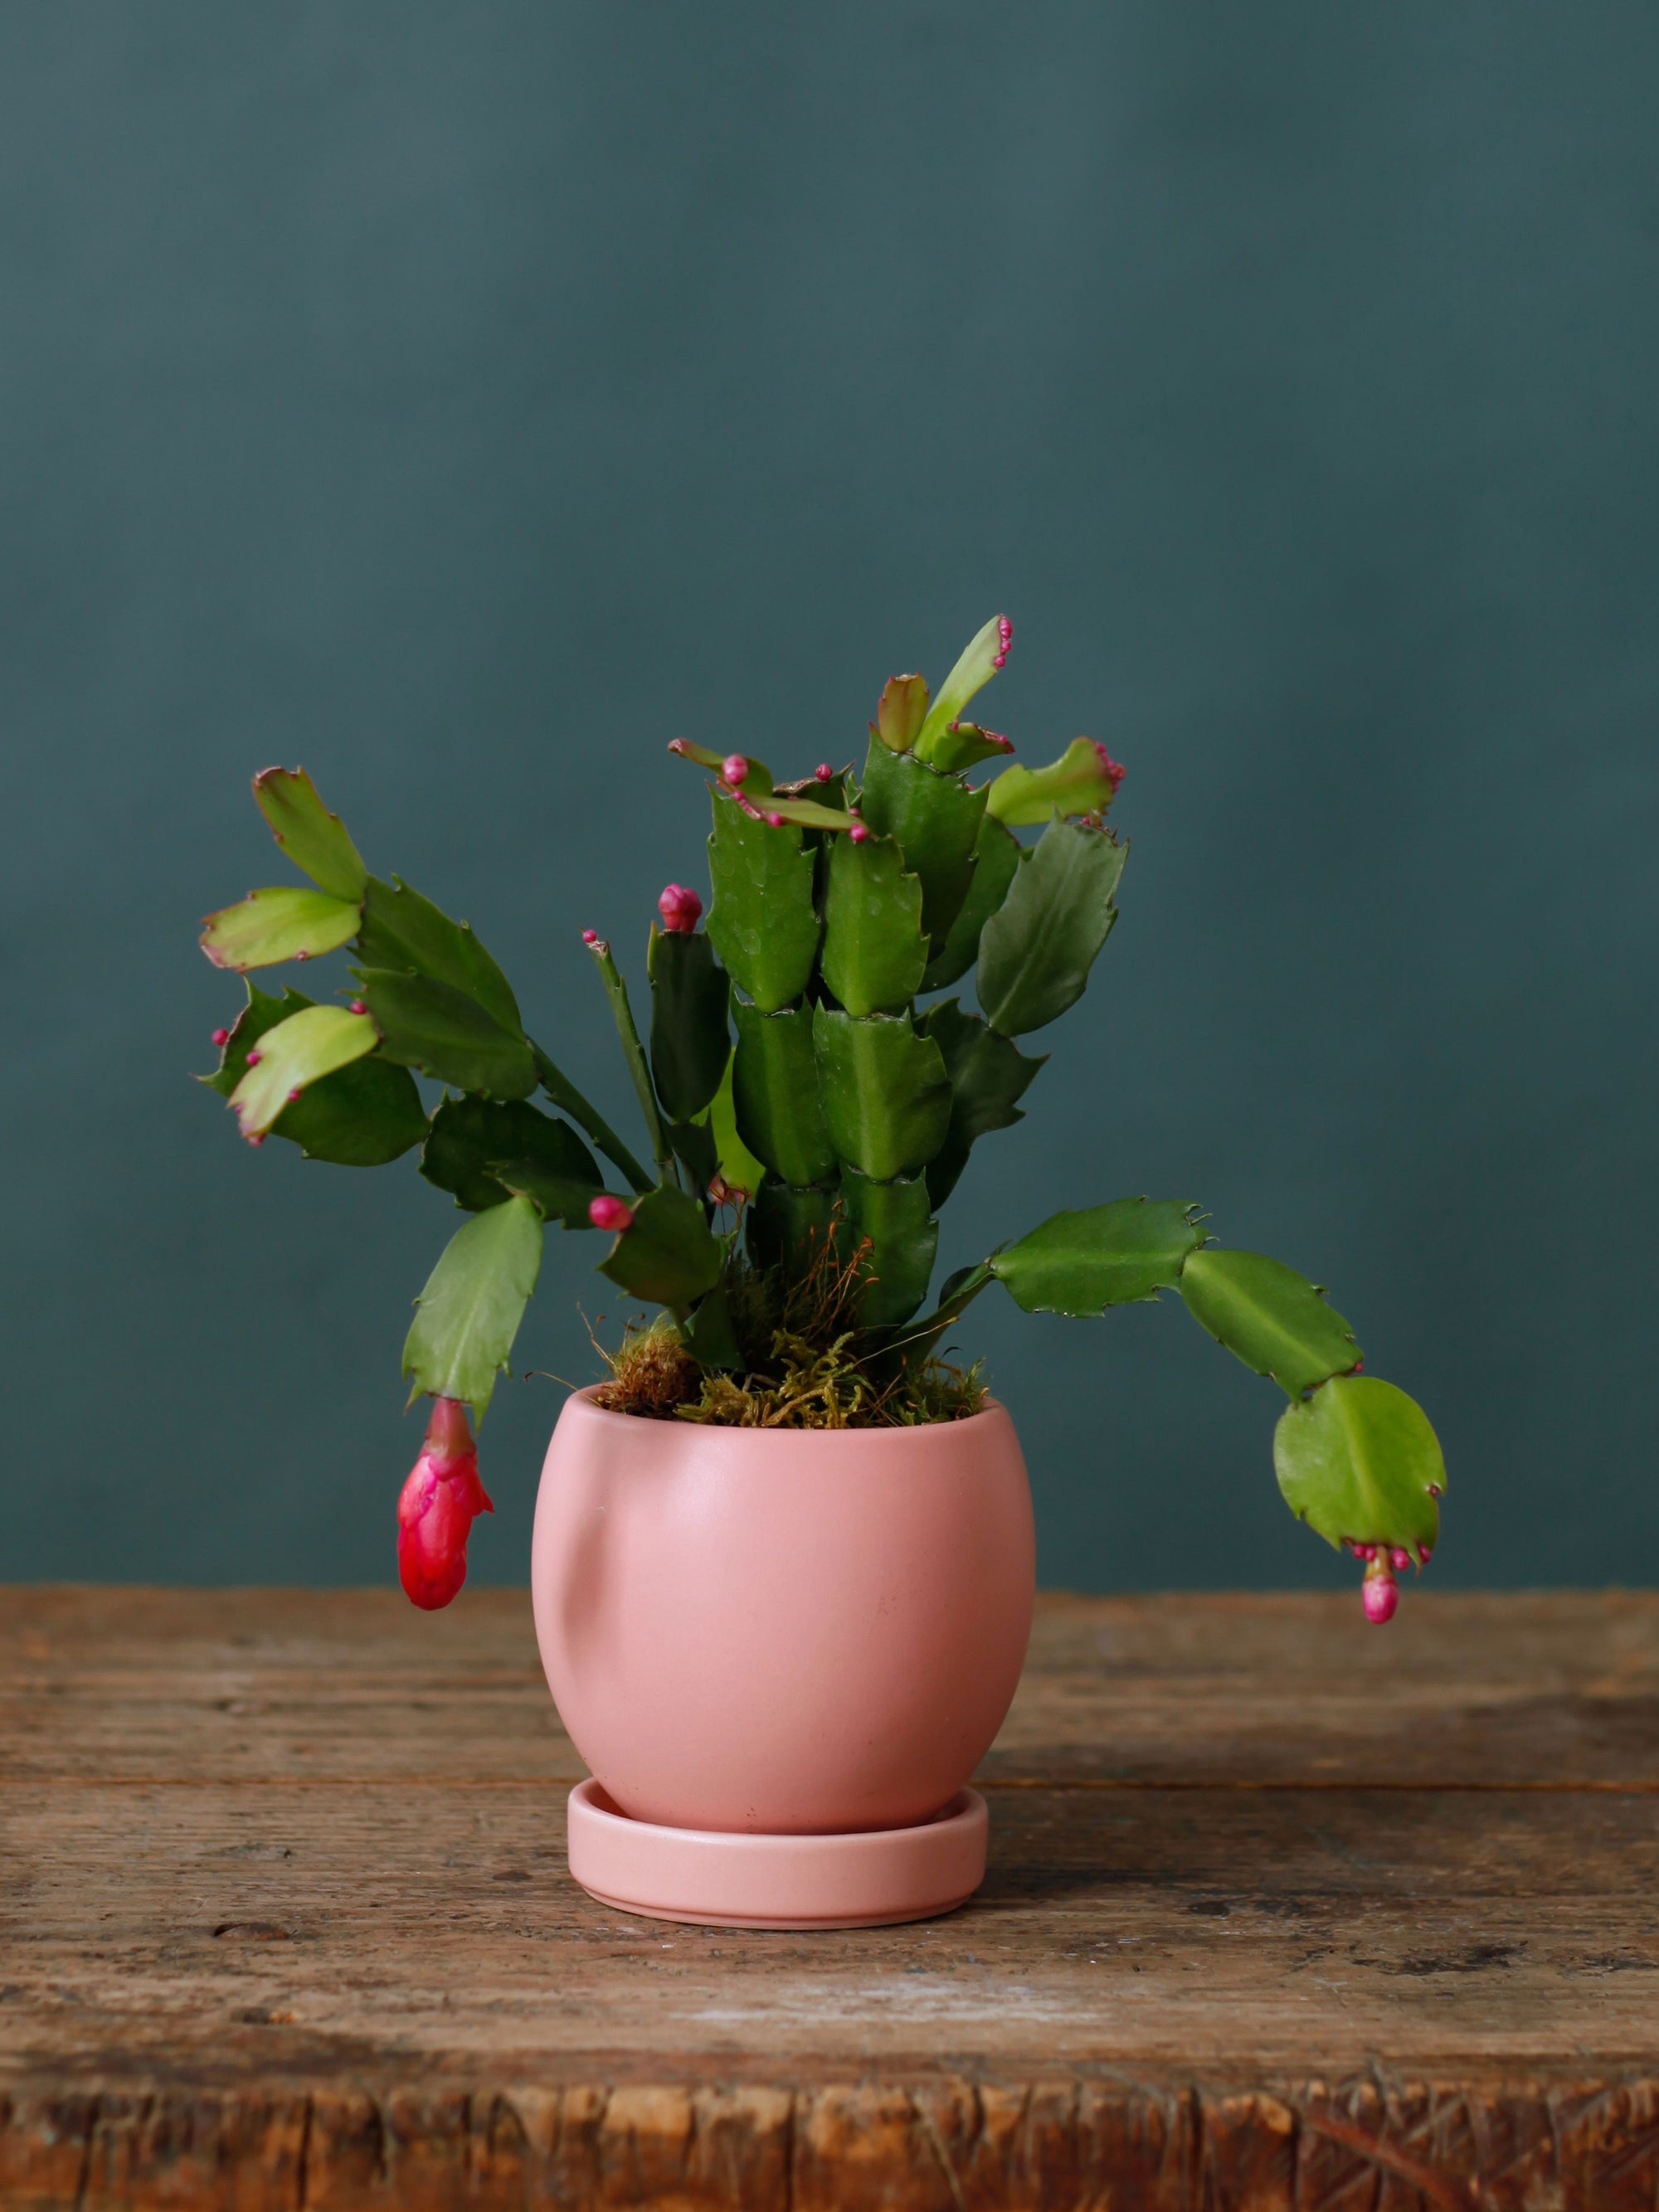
x,y
1399,1560
823,772
358,1007
294,1094
221,1037
775,821
680,908
1115,770
734,769
440,1502
254,1058
1379,1594
257,1140
302,956
607,1212
1424,1556
1005,631
590,937
858,833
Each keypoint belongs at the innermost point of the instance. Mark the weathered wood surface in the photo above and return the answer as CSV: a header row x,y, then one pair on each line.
x,y
1281,1911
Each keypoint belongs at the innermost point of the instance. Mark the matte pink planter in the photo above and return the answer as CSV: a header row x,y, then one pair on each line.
x,y
774,1634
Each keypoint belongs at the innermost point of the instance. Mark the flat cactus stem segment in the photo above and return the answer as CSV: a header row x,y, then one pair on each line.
x,y
894,1220
286,922
886,1095
468,1314
988,1074
564,1094
982,658
446,1034
738,1165
1036,950
762,922
1082,781
407,934
874,952
469,1137
1120,1254
364,1116
997,856
775,1094
936,820
789,1223
965,744
1359,1463
901,713
1270,1317
691,1036
317,841
667,1253
294,1055
622,1014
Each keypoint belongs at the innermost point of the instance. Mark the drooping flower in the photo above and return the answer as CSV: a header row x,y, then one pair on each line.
x,y
440,1502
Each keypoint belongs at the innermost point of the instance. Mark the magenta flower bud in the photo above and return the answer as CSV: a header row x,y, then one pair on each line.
x,y
254,1058
1379,1595
823,772
221,1037
358,1007
257,1140
590,937
1005,631
680,908
294,1094
734,769
1399,1560
858,833
302,956
1115,770
607,1212
439,1503
1424,1556
775,821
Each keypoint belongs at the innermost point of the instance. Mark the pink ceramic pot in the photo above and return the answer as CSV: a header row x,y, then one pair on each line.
x,y
784,1632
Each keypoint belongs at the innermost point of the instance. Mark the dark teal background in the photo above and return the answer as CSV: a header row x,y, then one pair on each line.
x,y
463,401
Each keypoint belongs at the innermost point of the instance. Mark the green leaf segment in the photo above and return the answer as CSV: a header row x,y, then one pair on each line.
x,y
801,1084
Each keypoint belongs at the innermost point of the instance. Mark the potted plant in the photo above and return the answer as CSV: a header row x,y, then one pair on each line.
x,y
782,1564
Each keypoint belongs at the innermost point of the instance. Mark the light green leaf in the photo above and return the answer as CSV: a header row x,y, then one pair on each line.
x,y
1105,1255
996,857
965,744
1273,1319
1080,782
763,922
284,923
669,1253
936,820
468,1314
1358,1461
977,666
885,1094
1037,949
902,711
406,933
446,1034
738,1164
294,1053
874,952
314,839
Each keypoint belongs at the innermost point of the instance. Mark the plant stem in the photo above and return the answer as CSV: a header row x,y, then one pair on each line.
x,y
563,1093
959,1294
634,1052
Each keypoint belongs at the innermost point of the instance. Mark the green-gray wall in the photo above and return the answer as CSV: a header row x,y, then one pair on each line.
x,y
463,400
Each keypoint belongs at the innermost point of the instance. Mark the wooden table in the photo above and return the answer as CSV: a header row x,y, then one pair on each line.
x,y
1281,1911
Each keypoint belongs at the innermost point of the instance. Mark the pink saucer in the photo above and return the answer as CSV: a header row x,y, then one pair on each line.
x,y
723,1879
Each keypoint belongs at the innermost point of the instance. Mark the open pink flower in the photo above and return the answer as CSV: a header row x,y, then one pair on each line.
x,y
440,1502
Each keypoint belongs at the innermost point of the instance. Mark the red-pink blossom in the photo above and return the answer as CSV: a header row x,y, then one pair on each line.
x,y
681,909
607,1212
440,1502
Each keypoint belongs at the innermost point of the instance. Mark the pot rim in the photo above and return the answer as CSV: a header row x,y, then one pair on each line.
x,y
792,1439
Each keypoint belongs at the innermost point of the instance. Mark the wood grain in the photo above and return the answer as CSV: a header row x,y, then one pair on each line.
x,y
1280,1911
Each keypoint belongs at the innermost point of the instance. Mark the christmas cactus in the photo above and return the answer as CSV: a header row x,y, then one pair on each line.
x,y
810,1090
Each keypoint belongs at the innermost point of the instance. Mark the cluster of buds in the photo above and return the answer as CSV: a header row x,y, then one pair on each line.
x,y
1379,1592
441,1501
1006,638
1113,770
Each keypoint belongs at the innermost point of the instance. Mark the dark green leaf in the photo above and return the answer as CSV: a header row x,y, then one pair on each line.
x,y
709,1336
314,839
873,949
548,1160
936,820
786,1227
468,1313
886,1096
996,856
894,1220
404,932
693,1144
1272,1318
989,1075
1037,949
691,1042
263,1011
669,1254
738,1164
763,922
1105,1255
271,927
1358,1461
446,1034
775,1092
